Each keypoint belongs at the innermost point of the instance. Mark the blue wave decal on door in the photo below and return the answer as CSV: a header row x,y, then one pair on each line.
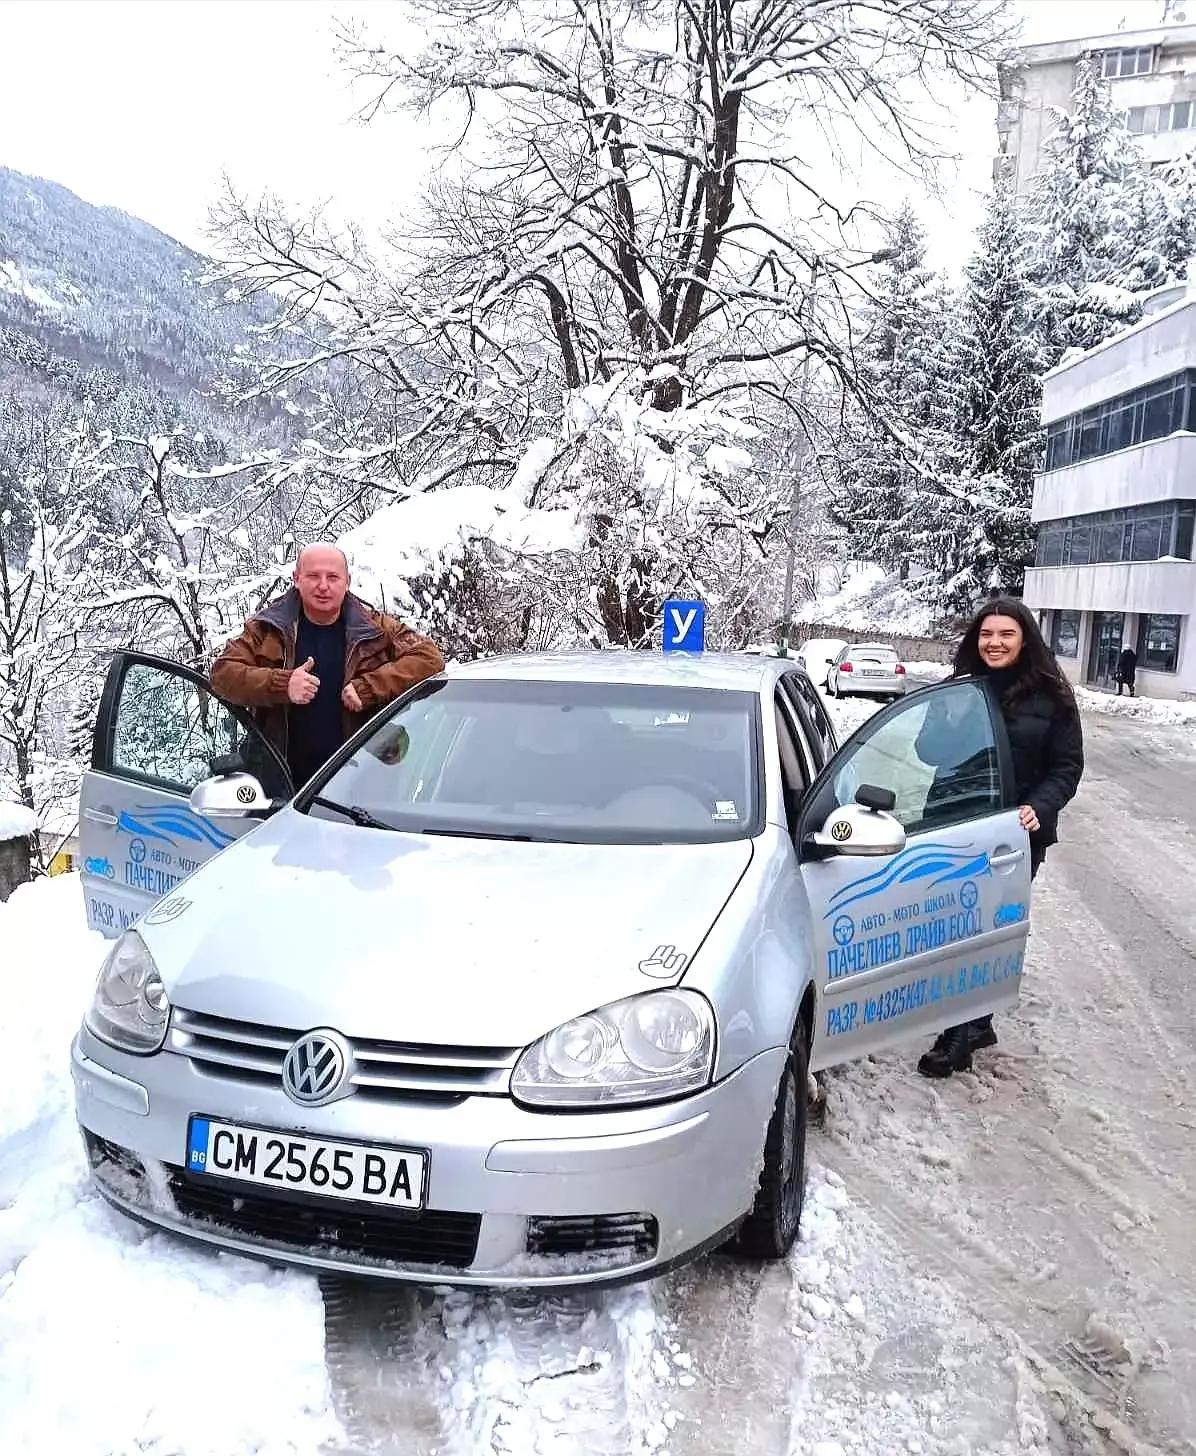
x,y
171,825
939,864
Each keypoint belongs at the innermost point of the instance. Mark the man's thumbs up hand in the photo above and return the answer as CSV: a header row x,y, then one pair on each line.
x,y
303,684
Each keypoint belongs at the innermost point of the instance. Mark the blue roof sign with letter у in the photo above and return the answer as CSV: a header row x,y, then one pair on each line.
x,y
684,626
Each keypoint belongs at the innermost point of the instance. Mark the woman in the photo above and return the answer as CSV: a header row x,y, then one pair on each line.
x,y
1004,646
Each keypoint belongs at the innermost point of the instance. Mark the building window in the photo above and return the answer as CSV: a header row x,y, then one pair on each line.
x,y
1065,634
1149,413
1136,62
1147,120
1135,533
1158,643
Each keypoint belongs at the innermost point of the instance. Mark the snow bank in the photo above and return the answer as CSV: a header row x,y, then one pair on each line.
x,y
116,1339
1147,710
50,960
929,671
16,822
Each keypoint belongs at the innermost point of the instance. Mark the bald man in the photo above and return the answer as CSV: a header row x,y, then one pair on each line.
x,y
316,663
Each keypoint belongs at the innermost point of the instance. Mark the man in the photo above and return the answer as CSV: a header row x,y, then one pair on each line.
x,y
1127,669
318,662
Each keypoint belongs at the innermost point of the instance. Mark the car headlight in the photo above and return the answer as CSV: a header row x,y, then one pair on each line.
x,y
130,1008
644,1049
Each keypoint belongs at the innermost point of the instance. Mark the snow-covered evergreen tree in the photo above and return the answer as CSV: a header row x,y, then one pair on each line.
x,y
1099,223
1001,395
895,495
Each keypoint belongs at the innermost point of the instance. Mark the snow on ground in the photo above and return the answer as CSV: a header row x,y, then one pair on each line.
x,y
11,281
1163,711
869,601
117,1340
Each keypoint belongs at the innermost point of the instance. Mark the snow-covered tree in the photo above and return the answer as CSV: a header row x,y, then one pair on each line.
x,y
894,494
1099,222
41,530
601,265
1001,395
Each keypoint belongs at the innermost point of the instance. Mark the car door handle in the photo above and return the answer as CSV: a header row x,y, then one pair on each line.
x,y
98,816
1010,857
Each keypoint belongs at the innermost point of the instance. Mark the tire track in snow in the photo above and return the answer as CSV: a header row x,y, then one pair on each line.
x,y
455,1373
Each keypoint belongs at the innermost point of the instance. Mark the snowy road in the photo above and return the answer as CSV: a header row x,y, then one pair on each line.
x,y
1004,1263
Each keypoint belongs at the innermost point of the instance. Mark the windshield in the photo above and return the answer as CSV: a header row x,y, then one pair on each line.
x,y
591,763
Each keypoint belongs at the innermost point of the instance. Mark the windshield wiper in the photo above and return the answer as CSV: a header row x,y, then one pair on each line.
x,y
359,816
481,834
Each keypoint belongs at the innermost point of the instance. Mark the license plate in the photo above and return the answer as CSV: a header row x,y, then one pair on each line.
x,y
874,672
395,1177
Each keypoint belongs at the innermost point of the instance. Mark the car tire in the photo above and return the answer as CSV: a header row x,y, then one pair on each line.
x,y
770,1229
831,690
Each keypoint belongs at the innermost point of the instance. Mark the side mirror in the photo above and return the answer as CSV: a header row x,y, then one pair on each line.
x,y
866,827
232,796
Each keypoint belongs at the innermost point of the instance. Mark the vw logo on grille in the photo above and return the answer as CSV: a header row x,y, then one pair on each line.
x,y
317,1068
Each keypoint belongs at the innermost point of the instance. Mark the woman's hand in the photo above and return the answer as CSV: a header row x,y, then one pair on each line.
x,y
1028,818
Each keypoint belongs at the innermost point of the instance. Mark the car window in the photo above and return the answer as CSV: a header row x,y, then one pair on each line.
x,y
585,762
938,753
801,686
168,730
793,776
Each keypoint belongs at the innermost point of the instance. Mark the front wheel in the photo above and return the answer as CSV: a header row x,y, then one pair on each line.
x,y
769,1230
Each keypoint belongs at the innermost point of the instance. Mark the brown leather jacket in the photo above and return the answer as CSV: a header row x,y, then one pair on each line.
x,y
383,658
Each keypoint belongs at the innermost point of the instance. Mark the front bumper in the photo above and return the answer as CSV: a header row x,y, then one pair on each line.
x,y
516,1198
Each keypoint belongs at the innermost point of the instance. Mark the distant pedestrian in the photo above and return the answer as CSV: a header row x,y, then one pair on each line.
x,y
1127,669
1003,645
316,663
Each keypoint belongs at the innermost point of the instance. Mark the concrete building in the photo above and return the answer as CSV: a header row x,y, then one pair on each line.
x,y
1115,503
1152,74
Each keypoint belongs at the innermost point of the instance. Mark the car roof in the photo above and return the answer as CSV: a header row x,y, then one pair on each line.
x,y
745,672
888,646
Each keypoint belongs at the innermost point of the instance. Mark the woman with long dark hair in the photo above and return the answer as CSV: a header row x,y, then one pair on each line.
x,y
1004,646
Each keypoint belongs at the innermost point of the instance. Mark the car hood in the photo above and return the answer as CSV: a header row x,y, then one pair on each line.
x,y
423,938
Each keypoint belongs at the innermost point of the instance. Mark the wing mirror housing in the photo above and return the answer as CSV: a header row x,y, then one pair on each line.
x,y
865,828
231,796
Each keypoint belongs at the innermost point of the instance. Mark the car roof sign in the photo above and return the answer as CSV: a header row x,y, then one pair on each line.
x,y
683,626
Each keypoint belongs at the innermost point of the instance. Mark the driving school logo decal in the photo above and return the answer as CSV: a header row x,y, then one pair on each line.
x,y
929,866
171,824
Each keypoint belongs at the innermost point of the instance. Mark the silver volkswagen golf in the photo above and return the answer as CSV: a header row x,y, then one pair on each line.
x,y
524,986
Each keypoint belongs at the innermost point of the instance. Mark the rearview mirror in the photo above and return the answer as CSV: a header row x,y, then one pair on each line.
x,y
232,796
866,827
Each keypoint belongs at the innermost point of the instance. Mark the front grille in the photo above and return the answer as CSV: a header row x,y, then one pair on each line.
x,y
312,1226
246,1051
323,1227
630,1234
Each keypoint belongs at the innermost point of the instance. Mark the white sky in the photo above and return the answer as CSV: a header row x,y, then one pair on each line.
x,y
143,104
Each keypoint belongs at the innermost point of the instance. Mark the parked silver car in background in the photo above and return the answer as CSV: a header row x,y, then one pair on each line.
x,y
867,669
523,987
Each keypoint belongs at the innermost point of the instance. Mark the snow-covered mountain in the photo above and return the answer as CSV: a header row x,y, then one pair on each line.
x,y
93,287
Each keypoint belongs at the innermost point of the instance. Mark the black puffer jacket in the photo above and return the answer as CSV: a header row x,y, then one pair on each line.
x,y
1048,758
